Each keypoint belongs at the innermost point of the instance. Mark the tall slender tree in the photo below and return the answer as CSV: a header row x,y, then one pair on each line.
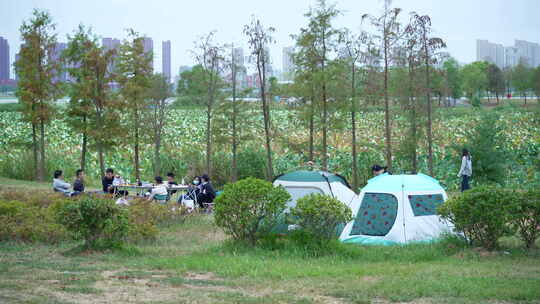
x,y
36,90
496,83
91,110
430,45
211,57
356,48
325,39
134,69
305,63
259,38
390,33
160,90
79,104
411,51
234,73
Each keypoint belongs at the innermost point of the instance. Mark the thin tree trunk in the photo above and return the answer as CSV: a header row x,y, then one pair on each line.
x,y
412,103
84,145
266,117
497,96
429,124
35,152
388,133
136,148
353,125
234,144
101,160
42,151
325,108
311,123
157,159
209,138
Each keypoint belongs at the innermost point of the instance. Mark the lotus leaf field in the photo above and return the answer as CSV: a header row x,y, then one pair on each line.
x,y
184,144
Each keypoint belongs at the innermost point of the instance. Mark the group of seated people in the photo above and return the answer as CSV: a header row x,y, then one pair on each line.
x,y
59,185
200,190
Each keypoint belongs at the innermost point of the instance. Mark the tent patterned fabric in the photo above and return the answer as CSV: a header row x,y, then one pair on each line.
x,y
376,216
425,204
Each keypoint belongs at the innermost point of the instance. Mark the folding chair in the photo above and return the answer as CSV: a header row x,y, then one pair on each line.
x,y
189,200
161,198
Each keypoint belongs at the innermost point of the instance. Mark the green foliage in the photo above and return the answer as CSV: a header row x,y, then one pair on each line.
x,y
474,77
251,163
475,101
481,214
536,81
22,221
249,209
11,107
453,76
144,216
320,215
190,88
99,222
485,143
496,83
522,78
525,215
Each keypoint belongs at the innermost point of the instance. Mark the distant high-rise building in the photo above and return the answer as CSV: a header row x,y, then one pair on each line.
x,y
110,43
490,52
528,52
148,45
238,55
4,59
511,57
288,64
507,57
62,75
269,68
166,59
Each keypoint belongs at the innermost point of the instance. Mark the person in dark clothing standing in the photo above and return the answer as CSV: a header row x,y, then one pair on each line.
x,y
78,184
207,194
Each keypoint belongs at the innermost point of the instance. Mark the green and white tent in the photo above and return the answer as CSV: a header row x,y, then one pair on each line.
x,y
301,183
397,209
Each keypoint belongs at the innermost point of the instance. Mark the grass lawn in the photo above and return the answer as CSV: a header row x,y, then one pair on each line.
x,y
191,262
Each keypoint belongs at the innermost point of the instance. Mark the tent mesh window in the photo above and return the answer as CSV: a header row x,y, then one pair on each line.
x,y
425,204
299,192
376,216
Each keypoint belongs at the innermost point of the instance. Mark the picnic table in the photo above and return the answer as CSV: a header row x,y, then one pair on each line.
x,y
143,189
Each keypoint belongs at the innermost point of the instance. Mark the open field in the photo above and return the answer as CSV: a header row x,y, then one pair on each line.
x,y
184,143
191,263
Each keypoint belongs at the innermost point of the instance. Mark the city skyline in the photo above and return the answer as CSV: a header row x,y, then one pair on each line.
x,y
508,56
458,22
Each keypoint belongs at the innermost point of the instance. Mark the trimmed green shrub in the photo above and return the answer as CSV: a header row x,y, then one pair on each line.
x,y
475,101
525,215
99,222
481,214
23,222
145,216
320,214
249,209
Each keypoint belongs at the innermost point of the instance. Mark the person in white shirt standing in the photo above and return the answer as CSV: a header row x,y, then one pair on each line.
x,y
159,191
465,172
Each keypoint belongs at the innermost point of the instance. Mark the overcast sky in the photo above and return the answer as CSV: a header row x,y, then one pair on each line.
x,y
458,22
